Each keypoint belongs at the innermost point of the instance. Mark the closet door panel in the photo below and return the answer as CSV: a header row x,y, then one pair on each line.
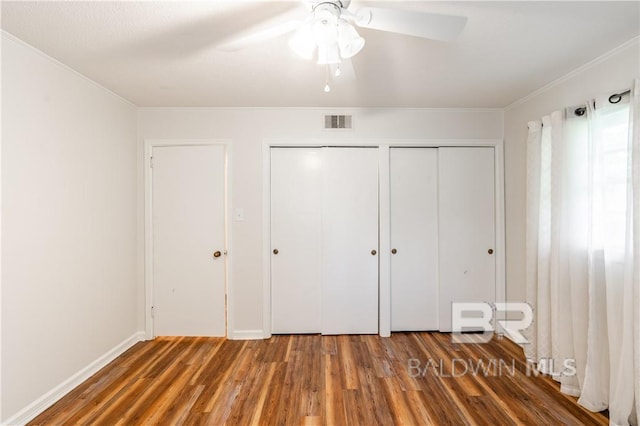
x,y
296,231
350,241
466,206
414,236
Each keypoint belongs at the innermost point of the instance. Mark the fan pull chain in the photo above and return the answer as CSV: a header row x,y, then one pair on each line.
x,y
327,88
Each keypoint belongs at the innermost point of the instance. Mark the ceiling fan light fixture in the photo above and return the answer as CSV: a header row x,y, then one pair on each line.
x,y
332,36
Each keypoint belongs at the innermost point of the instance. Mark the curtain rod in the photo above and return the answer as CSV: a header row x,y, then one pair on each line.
x,y
613,99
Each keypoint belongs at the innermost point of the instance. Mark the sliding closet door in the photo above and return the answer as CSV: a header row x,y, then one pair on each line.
x,y
296,214
414,238
350,241
466,205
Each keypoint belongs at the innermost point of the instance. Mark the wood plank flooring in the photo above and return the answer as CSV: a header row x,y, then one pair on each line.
x,y
408,379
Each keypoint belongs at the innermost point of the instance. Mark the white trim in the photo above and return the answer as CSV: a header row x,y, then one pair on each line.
x,y
378,142
385,279
266,240
48,399
15,39
149,144
246,335
327,110
575,72
1,241
228,191
500,223
384,242
148,243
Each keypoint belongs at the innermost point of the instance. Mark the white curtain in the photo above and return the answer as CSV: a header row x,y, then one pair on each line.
x,y
583,253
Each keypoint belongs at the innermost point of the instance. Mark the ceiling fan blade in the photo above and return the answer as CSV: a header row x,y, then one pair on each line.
x,y
419,24
265,31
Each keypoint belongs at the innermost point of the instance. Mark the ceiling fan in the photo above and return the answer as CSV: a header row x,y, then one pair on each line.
x,y
327,30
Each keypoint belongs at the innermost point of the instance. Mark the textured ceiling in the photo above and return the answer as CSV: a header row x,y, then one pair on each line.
x,y
164,53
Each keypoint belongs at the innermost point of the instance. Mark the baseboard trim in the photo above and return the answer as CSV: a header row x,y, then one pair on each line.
x,y
247,335
48,399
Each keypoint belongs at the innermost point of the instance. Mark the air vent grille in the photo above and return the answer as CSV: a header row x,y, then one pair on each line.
x,y
337,122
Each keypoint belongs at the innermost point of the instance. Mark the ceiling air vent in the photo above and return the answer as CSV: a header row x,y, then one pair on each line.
x,y
337,122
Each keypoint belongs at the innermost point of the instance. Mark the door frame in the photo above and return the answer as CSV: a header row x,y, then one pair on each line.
x,y
149,144
383,145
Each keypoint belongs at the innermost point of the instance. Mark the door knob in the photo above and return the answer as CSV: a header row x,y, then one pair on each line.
x,y
394,251
217,254
373,252
275,251
490,251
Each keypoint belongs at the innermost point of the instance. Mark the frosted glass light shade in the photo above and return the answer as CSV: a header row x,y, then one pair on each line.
x,y
349,40
303,42
328,54
325,32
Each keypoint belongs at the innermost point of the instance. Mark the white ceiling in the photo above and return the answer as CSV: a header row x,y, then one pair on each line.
x,y
164,53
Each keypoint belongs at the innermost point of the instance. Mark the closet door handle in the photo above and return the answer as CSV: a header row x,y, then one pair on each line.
x,y
490,251
217,254
275,251
394,251
373,252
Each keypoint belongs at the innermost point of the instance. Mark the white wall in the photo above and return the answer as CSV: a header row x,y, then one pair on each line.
x,y
606,75
69,290
247,128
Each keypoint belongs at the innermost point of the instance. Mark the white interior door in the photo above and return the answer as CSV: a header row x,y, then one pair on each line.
x,y
414,238
350,241
296,232
188,228
466,210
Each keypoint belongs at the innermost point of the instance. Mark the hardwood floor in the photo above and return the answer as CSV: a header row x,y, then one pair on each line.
x,y
408,379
